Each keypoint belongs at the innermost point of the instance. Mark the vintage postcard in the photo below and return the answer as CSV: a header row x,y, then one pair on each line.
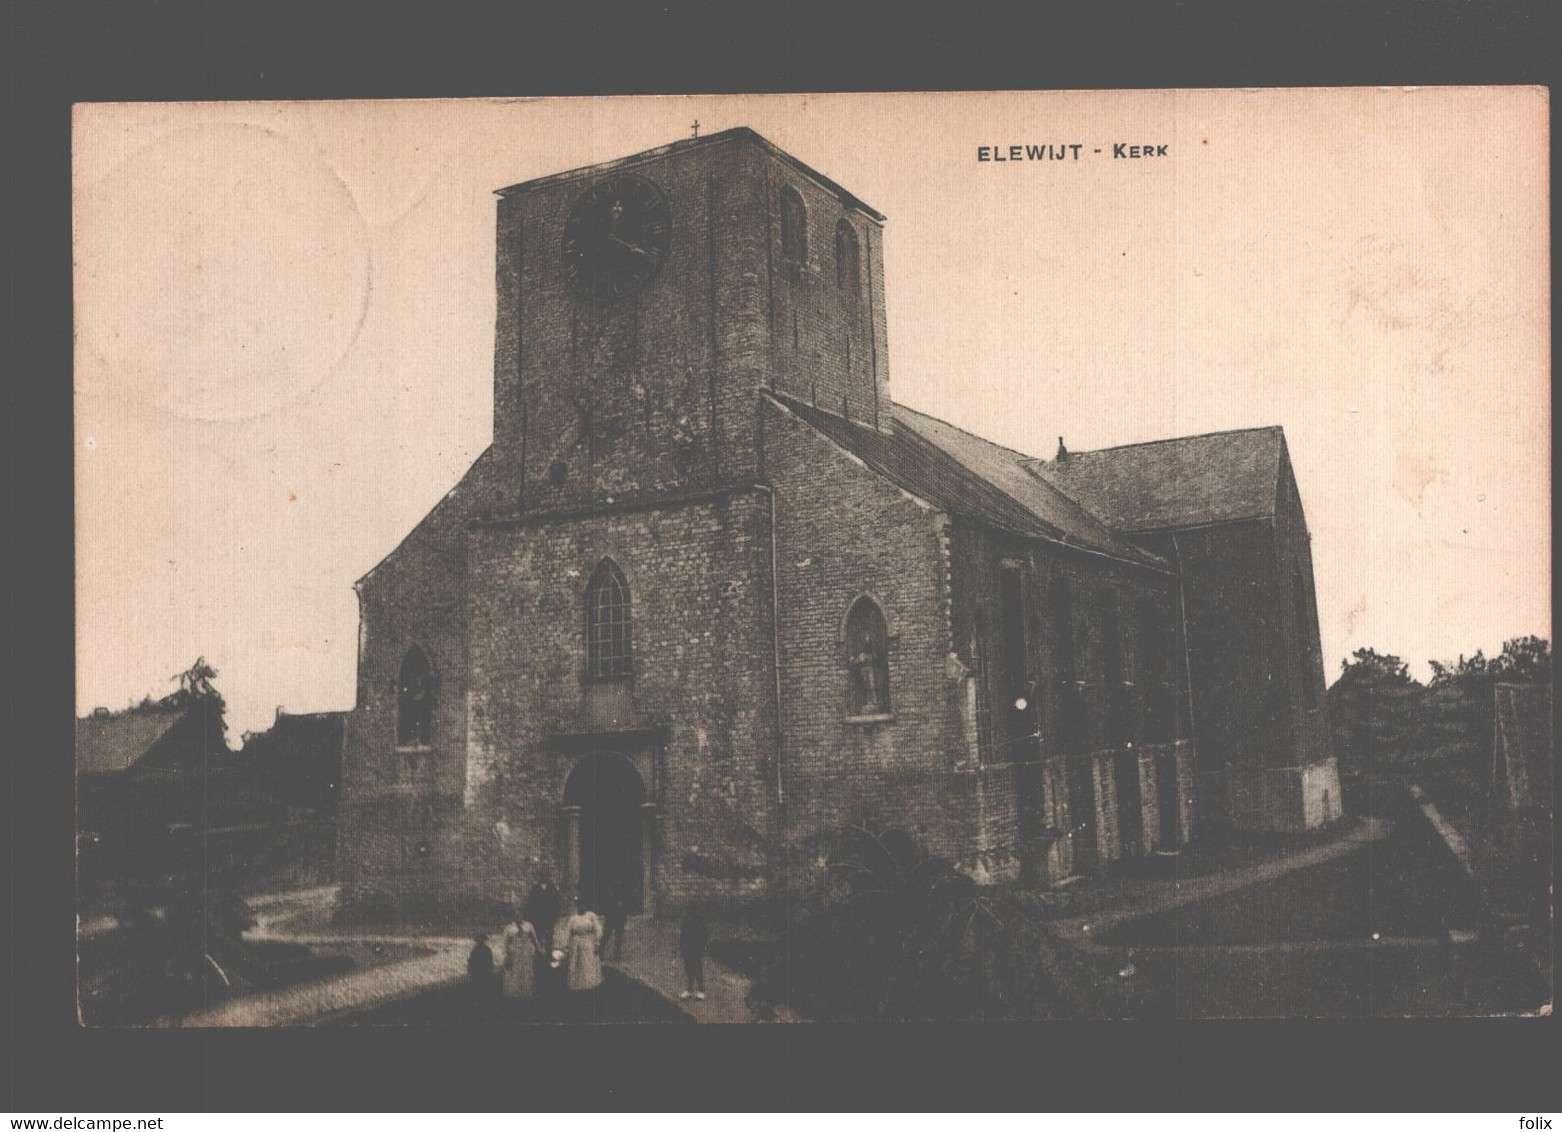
x,y
814,558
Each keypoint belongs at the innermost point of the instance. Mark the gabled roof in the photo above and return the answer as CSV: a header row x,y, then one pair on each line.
x,y
967,476
1187,481
117,741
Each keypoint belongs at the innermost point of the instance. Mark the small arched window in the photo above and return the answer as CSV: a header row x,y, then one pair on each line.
x,y
414,700
609,644
794,226
847,276
867,659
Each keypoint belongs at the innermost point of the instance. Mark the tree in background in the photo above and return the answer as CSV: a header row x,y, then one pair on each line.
x,y
1460,704
1524,660
195,688
1380,713
1375,709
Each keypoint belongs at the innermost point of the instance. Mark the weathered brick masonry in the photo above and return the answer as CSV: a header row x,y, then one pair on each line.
x,y
871,539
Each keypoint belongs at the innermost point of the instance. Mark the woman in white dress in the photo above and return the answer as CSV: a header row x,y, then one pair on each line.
x,y
579,937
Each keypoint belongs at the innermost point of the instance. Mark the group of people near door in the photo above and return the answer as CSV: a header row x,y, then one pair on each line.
x,y
551,942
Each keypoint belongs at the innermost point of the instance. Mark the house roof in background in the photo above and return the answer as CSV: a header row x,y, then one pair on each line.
x,y
1186,481
116,741
967,476
294,729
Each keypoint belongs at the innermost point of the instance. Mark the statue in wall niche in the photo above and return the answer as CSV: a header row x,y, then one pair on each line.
x,y
867,658
868,683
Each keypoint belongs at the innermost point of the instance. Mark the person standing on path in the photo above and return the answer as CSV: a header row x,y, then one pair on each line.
x,y
542,907
517,975
579,937
577,945
480,972
693,934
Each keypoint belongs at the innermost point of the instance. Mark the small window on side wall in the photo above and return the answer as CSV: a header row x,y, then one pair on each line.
x,y
847,272
867,659
794,226
414,700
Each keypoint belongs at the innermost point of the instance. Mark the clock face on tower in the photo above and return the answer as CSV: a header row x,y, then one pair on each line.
x,y
616,237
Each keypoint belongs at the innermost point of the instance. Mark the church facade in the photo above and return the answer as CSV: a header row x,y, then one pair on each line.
x,y
712,595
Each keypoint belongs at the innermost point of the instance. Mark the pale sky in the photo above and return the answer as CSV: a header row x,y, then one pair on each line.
x,y
284,326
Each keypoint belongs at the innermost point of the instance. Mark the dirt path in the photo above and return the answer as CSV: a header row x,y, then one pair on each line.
x,y
1147,895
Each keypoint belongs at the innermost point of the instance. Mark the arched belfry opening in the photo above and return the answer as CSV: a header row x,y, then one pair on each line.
x,y
607,831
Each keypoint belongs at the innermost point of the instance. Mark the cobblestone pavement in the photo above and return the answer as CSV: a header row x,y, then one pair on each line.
x,y
361,990
302,917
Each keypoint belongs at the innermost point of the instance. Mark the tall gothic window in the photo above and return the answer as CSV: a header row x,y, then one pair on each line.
x,y
867,659
794,226
847,275
414,700
1020,715
609,643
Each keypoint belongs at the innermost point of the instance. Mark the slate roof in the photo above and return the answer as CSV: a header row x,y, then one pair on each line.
x,y
967,476
1187,481
117,741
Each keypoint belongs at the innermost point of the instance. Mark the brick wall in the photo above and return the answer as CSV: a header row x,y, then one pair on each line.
x,y
1299,621
669,375
1235,646
1254,657
1033,830
416,596
843,532
703,681
829,343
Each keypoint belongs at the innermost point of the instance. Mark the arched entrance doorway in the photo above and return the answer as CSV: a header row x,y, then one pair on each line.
x,y
604,805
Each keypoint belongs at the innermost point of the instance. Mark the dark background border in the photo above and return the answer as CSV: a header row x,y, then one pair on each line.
x,y
62,53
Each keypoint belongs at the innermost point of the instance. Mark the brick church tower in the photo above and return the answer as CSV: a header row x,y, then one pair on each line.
x,y
629,350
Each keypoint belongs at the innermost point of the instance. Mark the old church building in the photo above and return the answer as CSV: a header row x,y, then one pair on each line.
x,y
711,594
